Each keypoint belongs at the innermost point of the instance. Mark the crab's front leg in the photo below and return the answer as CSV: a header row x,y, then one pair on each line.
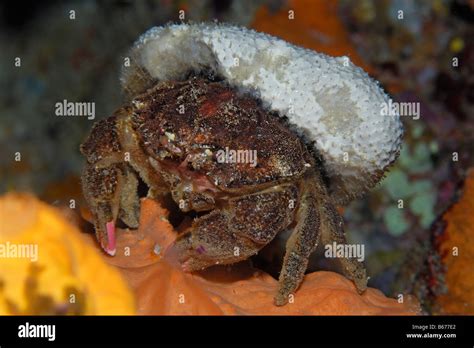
x,y
101,187
238,230
109,183
129,211
111,193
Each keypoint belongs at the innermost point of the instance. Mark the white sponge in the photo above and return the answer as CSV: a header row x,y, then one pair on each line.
x,y
331,101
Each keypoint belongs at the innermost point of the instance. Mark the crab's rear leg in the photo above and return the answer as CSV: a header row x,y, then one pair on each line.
x,y
317,219
332,230
299,246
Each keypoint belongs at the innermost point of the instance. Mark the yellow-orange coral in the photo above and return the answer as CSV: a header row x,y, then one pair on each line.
x,y
64,275
457,248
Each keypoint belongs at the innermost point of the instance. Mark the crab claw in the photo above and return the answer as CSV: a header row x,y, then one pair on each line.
x,y
107,237
183,253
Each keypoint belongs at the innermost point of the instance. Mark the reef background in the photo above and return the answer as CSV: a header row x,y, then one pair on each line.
x,y
80,59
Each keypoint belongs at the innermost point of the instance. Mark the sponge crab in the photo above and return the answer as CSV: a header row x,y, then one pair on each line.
x,y
196,90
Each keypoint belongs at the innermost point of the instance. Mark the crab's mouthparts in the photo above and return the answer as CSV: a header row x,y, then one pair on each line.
x,y
111,241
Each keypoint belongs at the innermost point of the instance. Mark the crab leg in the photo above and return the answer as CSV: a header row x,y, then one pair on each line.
x,y
332,231
299,247
129,211
233,233
102,188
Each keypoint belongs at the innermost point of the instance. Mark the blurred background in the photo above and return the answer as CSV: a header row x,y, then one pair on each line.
x,y
426,55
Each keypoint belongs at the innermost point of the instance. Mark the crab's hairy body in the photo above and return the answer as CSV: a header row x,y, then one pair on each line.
x,y
169,137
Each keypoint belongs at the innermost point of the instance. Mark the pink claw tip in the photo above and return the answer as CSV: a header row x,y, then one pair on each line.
x,y
111,247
